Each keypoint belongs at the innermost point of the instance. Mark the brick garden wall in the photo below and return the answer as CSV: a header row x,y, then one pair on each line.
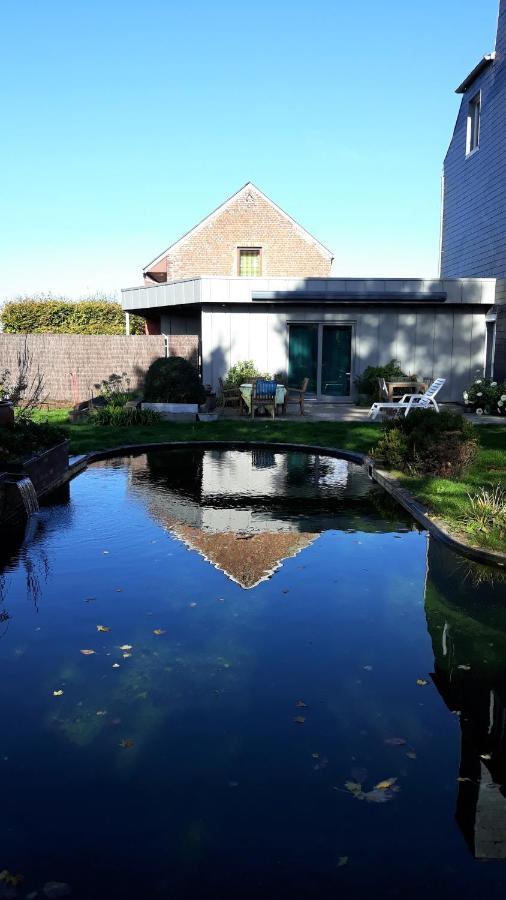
x,y
73,363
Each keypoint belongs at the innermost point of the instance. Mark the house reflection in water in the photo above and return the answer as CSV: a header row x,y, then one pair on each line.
x,y
246,512
469,644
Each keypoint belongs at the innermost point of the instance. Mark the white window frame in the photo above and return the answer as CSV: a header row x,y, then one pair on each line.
x,y
473,132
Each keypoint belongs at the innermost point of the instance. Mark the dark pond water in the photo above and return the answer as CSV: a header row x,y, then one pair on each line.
x,y
277,640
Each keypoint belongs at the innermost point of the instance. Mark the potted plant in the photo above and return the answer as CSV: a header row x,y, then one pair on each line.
x,y
173,388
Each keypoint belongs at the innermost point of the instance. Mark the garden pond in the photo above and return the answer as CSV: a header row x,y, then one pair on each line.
x,y
247,674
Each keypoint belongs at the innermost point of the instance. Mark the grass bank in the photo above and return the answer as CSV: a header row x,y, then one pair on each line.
x,y
448,500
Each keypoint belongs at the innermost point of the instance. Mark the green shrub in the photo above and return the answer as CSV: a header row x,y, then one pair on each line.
x,y
122,416
429,443
50,315
173,380
26,438
243,372
367,382
115,390
486,396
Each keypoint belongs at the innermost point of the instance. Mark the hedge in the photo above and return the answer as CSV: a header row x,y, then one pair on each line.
x,y
54,316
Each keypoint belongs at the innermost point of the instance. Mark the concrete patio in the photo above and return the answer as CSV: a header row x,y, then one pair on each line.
x,y
346,412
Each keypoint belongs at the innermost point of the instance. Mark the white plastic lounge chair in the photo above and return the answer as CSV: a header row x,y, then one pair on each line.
x,y
411,401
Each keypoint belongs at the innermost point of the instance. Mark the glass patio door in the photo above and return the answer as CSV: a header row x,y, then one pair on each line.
x,y
335,361
303,356
321,353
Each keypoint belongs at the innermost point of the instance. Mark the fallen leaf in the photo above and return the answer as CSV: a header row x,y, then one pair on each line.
x,y
353,787
465,779
105,551
8,878
58,693
103,628
301,705
116,665
126,655
87,652
395,742
299,720
421,682
464,668
385,784
193,605
126,743
411,754
367,668
342,861
101,712
158,631
126,647
378,796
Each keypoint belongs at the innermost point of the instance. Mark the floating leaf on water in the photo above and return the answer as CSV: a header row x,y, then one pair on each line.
x,y
87,652
299,720
395,742
58,693
367,668
464,668
126,655
116,665
465,779
485,756
103,628
101,712
385,784
193,604
353,787
411,754
105,551
301,705
342,861
126,743
126,647
158,631
421,682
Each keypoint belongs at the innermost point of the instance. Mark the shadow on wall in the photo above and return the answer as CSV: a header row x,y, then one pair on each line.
x,y
433,340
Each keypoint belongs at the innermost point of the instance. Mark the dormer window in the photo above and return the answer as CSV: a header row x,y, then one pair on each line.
x,y
250,262
473,124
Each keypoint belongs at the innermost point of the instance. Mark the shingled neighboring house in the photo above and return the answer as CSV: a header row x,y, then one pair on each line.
x,y
473,239
249,282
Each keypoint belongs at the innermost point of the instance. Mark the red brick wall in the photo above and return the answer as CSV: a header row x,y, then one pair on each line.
x,y
249,221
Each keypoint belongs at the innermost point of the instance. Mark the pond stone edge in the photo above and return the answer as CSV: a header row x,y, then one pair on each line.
x,y
389,483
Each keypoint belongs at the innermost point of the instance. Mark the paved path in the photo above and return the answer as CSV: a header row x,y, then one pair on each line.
x,y
348,412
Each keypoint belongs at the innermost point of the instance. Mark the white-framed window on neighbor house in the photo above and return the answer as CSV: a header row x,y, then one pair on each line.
x,y
473,124
250,261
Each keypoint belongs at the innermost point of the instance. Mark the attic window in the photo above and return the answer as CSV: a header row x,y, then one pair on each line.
x,y
473,124
250,261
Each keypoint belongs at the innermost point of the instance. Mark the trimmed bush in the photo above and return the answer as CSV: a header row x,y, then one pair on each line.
x,y
173,380
59,316
26,438
486,397
428,443
367,383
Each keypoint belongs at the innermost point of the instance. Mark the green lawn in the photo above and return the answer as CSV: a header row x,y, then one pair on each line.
x,y
446,499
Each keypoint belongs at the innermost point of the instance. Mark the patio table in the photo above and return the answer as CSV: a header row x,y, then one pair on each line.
x,y
405,387
247,390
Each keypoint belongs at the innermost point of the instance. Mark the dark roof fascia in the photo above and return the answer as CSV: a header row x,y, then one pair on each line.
x,y
347,297
482,65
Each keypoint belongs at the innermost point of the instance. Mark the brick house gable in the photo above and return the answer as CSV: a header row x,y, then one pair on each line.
x,y
247,219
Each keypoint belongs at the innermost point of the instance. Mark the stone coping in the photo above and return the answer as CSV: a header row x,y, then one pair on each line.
x,y
384,479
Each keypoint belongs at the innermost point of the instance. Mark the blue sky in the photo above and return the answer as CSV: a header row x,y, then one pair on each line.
x,y
126,123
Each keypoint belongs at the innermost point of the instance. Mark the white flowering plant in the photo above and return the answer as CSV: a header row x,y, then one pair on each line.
x,y
486,397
